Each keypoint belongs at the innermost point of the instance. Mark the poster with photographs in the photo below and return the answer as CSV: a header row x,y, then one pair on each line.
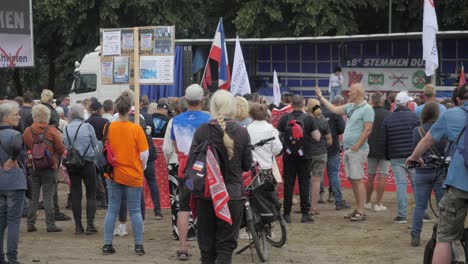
x,y
156,46
121,73
164,40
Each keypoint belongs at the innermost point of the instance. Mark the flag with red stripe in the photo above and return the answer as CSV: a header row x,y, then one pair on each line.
x,y
218,53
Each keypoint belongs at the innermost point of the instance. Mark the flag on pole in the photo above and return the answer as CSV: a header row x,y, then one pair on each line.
x,y
276,89
218,53
462,80
240,80
430,29
207,78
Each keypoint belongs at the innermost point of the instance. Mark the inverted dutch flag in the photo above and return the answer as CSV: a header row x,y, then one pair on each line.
x,y
218,53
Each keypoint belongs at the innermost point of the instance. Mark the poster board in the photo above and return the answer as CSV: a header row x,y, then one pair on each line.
x,y
156,46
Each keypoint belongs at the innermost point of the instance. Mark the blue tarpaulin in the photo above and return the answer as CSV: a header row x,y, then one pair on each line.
x,y
154,92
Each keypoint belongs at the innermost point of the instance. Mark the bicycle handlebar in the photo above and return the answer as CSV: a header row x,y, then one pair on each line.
x,y
261,143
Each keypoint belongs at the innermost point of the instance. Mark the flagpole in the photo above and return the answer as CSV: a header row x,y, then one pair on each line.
x,y
204,71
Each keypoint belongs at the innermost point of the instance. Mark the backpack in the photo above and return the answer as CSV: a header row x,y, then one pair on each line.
x,y
196,168
108,154
73,159
41,156
294,136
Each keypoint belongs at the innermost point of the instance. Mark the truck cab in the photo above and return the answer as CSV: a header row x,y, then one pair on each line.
x,y
87,81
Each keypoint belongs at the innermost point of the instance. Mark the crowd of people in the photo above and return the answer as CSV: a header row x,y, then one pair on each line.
x,y
116,156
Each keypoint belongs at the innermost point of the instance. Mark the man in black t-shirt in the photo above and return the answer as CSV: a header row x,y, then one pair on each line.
x,y
298,166
160,120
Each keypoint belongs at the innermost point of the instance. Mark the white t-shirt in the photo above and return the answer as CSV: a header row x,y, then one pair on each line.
x,y
335,81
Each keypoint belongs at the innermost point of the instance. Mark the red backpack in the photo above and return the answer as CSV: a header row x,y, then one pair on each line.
x,y
41,156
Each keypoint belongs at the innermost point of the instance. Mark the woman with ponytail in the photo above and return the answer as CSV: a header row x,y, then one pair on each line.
x,y
217,239
319,155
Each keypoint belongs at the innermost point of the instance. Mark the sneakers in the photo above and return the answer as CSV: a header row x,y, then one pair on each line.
x,y
287,218
321,201
62,217
400,220
415,241
368,206
54,229
91,229
342,206
121,230
427,219
32,228
158,214
306,218
108,249
139,250
379,208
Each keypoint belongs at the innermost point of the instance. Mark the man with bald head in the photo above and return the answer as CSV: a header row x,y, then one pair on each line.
x,y
358,128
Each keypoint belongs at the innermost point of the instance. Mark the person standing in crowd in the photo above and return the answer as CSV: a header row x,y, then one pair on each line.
x,y
337,127
130,147
358,128
13,183
63,122
44,177
217,239
64,103
108,107
183,129
82,137
449,127
47,99
98,123
376,158
286,99
319,153
430,92
397,141
144,103
25,111
335,84
297,163
160,120
426,179
242,114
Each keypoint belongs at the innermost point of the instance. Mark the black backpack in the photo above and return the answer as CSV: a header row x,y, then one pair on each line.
x,y
294,136
73,159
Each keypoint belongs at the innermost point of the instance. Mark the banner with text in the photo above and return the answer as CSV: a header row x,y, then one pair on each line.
x,y
385,74
16,34
156,49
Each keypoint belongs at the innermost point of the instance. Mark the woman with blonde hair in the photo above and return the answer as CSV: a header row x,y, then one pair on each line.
x,y
152,108
319,153
242,114
217,239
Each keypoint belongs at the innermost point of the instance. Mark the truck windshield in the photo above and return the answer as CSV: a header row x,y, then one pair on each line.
x,y
85,83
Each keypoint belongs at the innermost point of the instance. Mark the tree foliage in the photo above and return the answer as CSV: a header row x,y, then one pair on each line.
x,y
64,30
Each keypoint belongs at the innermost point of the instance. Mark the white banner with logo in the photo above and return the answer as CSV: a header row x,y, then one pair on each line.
x,y
16,34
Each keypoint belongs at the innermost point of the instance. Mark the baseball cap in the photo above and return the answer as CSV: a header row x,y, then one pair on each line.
x,y
163,106
194,92
403,98
95,105
46,96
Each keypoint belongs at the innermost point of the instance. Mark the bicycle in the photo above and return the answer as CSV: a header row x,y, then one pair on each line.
x,y
262,225
442,165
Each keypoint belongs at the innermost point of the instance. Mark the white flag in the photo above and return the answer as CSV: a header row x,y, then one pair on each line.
x,y
240,80
430,29
276,89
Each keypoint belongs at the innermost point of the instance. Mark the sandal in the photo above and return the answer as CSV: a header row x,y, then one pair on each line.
x,y
348,216
182,255
358,217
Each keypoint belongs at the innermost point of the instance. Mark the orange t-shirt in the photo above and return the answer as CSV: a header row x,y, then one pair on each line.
x,y
127,141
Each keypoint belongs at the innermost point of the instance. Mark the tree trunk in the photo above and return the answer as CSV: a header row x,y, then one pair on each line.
x,y
17,81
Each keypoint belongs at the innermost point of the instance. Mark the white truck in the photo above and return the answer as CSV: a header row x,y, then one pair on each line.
x,y
87,81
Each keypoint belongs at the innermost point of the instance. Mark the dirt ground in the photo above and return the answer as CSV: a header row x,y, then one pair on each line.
x,y
331,239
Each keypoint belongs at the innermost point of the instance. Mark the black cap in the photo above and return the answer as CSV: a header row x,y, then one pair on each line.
x,y
163,106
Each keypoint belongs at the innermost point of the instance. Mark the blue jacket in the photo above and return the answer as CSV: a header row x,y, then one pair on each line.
x,y
397,133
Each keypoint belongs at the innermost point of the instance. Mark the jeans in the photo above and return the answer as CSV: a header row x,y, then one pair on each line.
x,y
11,208
217,239
47,179
301,169
334,91
150,176
425,180
87,175
133,194
333,171
400,171
123,207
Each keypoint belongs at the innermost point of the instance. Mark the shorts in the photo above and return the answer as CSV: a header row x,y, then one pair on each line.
x,y
453,208
184,198
374,163
318,164
354,163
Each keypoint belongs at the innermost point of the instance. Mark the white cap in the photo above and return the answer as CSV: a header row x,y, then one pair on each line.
x,y
194,92
403,98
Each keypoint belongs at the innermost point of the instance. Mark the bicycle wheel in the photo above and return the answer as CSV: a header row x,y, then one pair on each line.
x,y
276,233
259,241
